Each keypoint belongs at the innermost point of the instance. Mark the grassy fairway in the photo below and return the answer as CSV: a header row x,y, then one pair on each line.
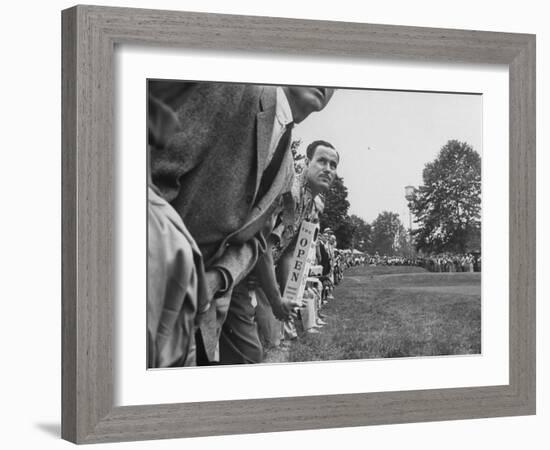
x,y
388,312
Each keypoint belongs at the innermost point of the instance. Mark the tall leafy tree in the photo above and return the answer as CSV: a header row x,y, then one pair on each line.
x,y
387,232
447,206
361,238
335,213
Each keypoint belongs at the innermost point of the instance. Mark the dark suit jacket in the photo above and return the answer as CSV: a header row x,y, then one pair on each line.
x,y
210,172
325,259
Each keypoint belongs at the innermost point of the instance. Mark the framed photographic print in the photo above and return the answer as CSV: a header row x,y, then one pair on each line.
x,y
265,229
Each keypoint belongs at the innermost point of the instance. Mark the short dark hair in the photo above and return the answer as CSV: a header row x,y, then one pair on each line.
x,y
310,151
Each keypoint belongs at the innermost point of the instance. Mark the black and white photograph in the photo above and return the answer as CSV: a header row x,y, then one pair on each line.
x,y
276,225
291,224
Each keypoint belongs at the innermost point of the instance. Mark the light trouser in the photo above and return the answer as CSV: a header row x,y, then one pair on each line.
x,y
309,311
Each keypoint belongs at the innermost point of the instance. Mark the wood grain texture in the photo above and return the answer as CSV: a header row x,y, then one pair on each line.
x,y
89,201
523,224
87,205
68,225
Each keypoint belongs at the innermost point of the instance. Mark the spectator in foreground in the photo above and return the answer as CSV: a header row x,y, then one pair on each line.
x,y
208,172
176,290
303,203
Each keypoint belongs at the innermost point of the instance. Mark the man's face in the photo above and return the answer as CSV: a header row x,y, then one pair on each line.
x,y
305,100
321,170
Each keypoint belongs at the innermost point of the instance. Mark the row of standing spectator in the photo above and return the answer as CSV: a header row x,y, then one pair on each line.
x,y
444,262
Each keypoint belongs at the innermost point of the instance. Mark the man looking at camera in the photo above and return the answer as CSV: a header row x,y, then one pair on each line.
x,y
305,198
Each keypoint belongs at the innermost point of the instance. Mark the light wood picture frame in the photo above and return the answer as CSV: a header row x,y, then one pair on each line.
x,y
89,36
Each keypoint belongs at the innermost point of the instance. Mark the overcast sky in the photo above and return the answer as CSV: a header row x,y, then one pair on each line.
x,y
386,137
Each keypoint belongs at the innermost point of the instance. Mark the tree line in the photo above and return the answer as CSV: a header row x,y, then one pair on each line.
x,y
446,210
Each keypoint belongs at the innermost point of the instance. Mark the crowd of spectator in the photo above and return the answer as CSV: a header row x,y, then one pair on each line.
x,y
225,208
447,262
229,276
442,262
